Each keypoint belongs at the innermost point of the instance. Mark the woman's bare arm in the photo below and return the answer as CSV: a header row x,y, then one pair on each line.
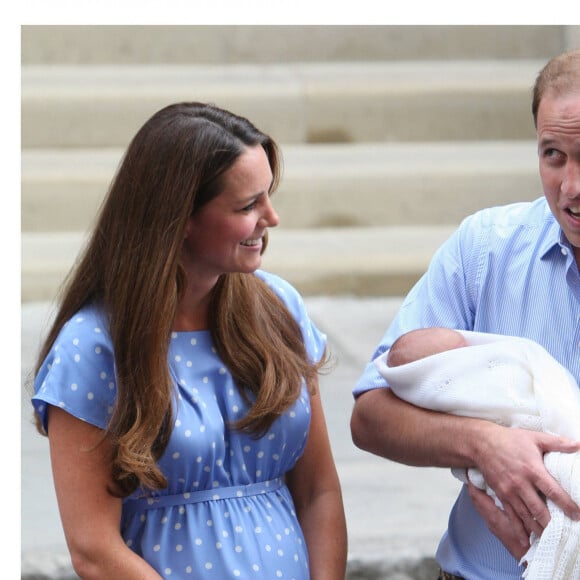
x,y
81,465
317,495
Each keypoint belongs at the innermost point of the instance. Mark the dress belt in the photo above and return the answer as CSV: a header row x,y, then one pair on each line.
x,y
133,505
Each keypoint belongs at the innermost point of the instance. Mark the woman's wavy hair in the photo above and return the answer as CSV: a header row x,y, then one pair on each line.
x,y
131,269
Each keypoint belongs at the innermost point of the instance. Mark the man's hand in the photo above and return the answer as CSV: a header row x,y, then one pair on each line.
x,y
512,463
512,535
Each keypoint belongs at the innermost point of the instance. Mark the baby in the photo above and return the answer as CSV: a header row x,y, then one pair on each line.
x,y
509,380
418,344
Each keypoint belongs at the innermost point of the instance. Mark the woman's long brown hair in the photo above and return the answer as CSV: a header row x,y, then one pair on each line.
x,y
130,268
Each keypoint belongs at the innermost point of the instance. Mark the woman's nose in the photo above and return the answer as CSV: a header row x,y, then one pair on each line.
x,y
270,217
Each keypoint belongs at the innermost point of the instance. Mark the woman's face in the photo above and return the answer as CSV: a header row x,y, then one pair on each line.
x,y
226,234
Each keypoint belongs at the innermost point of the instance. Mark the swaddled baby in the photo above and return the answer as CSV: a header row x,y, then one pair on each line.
x,y
511,381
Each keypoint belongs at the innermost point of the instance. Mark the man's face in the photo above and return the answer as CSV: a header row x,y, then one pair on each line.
x,y
558,135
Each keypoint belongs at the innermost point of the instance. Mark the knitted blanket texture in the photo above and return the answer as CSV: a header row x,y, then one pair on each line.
x,y
513,382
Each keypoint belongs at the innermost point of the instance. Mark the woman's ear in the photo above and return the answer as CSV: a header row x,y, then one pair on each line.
x,y
188,228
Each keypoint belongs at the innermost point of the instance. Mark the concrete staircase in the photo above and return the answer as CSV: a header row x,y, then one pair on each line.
x,y
390,134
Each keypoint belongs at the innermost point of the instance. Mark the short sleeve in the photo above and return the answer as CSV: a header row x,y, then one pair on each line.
x,y
443,296
78,374
314,340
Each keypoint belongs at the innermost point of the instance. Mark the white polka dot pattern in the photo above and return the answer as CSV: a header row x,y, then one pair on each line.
x,y
246,536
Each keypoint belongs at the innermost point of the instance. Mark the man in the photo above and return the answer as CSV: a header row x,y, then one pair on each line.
x,y
510,270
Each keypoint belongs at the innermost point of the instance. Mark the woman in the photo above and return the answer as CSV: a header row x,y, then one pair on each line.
x,y
178,384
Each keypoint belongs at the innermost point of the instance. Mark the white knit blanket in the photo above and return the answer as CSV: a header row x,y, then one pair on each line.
x,y
516,383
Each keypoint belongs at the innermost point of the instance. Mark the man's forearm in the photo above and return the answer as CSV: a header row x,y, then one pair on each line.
x,y
387,426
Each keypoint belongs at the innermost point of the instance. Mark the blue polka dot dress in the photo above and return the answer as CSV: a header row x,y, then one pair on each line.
x,y
227,512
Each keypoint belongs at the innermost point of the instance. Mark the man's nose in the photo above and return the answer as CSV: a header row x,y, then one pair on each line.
x,y
571,181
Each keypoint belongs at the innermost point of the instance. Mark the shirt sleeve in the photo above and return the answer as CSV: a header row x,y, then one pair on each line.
x,y
78,373
443,296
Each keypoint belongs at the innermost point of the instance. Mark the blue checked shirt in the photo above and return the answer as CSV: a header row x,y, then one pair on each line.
x,y
506,270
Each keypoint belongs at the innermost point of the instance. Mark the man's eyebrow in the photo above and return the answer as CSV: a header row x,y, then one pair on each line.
x,y
548,140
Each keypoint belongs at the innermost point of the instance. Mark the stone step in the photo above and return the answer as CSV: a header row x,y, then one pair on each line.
x,y
357,261
103,106
267,44
364,184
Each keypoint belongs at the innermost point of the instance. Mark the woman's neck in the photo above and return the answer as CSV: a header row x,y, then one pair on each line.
x,y
192,311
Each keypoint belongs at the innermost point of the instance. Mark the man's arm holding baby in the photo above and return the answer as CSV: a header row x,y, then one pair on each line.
x,y
511,460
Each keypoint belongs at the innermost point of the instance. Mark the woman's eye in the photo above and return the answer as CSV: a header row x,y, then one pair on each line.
x,y
250,206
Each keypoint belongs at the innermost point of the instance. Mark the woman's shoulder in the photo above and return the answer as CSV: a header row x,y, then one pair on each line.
x,y
281,287
314,339
84,334
88,321
78,373
278,284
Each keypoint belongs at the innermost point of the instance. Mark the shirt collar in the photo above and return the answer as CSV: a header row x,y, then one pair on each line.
x,y
554,239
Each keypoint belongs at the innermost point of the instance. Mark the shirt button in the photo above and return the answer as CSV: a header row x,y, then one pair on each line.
x,y
564,251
